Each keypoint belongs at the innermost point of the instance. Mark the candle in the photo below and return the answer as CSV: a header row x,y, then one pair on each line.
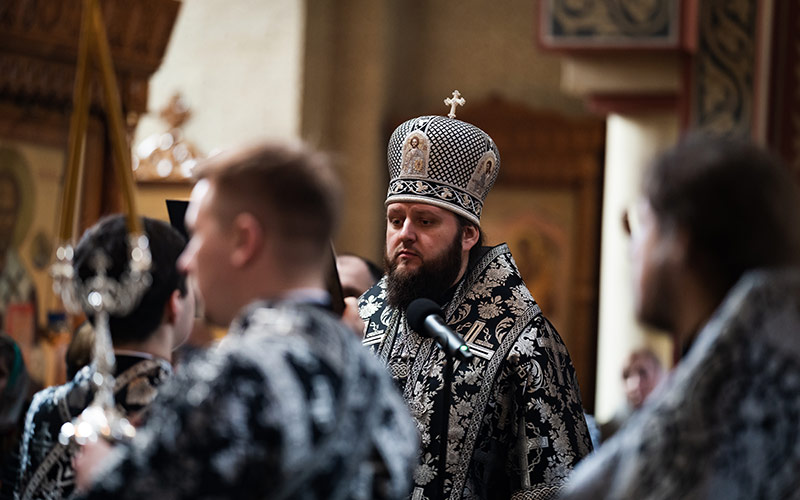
x,y
77,130
122,156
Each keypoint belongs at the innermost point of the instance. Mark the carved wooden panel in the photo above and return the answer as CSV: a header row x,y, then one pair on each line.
x,y
39,40
723,68
610,24
783,122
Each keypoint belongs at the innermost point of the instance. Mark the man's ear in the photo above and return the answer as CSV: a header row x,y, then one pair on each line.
x,y
469,237
248,239
172,307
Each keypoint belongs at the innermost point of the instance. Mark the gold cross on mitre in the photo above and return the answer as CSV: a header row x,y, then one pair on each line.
x,y
454,101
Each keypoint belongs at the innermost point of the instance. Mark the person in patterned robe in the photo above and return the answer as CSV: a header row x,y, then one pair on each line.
x,y
516,426
290,404
143,342
715,258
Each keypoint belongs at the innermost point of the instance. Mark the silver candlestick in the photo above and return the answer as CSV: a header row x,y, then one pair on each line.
x,y
104,296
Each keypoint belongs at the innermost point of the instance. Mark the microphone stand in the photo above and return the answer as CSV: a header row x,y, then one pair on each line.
x,y
425,316
444,425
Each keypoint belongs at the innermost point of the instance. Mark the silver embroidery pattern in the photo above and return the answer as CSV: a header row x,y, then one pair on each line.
x,y
520,371
45,469
289,405
725,423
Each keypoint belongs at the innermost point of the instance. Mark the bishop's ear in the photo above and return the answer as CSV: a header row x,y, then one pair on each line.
x,y
469,236
248,238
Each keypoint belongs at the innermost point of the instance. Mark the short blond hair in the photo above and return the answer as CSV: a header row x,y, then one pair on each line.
x,y
287,186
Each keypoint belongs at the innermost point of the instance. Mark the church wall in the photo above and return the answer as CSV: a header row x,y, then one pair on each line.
x,y
247,86
347,56
371,65
632,141
150,197
478,48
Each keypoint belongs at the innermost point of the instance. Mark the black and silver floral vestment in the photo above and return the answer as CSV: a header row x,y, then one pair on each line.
x,y
45,469
726,423
289,405
516,425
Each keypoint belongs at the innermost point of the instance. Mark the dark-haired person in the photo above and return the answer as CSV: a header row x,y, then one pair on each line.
x,y
516,425
143,342
715,262
356,274
289,404
15,396
80,349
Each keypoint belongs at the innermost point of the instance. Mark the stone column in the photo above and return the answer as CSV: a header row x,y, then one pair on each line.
x,y
639,95
632,140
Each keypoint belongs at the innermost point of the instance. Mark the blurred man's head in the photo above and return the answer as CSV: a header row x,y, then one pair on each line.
x,y
711,210
641,374
167,299
261,220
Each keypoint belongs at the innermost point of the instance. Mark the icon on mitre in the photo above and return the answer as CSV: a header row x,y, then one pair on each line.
x,y
483,174
416,149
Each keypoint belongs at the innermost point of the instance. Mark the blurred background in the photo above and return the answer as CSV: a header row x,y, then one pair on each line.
x,y
578,94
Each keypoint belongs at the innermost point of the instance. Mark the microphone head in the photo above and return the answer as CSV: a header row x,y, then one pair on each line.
x,y
418,310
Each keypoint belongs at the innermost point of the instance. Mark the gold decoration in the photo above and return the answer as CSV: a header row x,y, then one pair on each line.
x,y
168,156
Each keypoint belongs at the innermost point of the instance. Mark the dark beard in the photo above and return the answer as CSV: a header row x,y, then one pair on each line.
x,y
431,280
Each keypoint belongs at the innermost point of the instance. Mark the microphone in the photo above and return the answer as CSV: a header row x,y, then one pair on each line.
x,y
425,317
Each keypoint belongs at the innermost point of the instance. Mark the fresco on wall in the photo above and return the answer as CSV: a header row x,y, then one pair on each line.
x,y
17,289
30,185
536,225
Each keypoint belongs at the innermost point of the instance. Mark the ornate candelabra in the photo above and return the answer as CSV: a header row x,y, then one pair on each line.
x,y
101,293
105,296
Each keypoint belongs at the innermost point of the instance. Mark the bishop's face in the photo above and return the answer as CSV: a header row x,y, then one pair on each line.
x,y
417,233
206,258
426,251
